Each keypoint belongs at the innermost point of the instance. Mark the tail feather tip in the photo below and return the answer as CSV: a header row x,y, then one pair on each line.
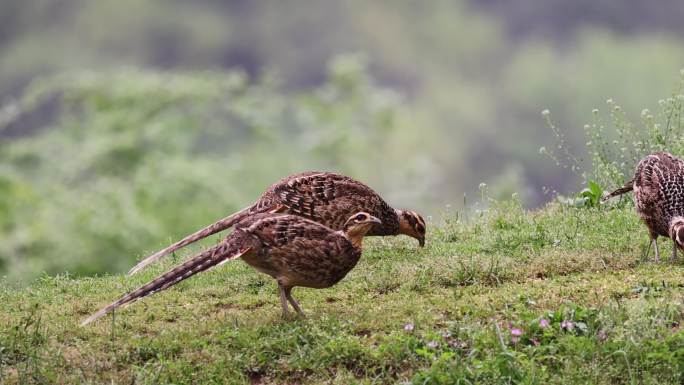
x,y
133,270
91,318
142,264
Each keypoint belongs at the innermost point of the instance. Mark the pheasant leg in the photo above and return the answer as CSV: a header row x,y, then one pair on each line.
x,y
654,241
283,301
294,303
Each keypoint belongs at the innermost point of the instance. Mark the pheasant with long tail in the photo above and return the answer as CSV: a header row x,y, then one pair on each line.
x,y
293,250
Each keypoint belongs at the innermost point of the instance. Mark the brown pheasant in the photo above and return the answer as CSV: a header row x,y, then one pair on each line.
x,y
324,197
658,186
293,250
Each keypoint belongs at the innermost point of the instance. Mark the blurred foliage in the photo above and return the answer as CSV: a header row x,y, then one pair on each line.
x,y
126,124
615,144
476,74
130,158
560,18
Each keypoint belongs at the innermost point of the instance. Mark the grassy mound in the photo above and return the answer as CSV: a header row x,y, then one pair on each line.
x,y
559,295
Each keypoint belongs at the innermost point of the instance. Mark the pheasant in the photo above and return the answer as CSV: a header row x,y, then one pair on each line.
x,y
658,186
324,197
293,250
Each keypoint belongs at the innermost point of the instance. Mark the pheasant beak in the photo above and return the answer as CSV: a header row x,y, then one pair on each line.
x,y
375,220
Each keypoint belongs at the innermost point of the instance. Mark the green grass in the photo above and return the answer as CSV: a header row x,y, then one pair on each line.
x,y
477,283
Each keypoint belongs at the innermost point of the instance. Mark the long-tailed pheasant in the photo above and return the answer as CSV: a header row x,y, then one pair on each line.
x,y
658,186
293,250
324,197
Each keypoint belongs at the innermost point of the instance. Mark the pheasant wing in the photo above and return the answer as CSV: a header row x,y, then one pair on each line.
x,y
303,252
329,198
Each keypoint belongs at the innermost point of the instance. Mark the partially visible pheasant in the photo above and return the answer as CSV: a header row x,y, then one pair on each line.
x,y
293,250
658,186
324,197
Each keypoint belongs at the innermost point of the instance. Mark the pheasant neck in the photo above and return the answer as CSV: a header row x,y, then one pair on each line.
x,y
404,226
357,241
356,234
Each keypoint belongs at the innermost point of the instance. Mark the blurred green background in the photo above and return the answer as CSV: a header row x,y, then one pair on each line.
x,y
127,124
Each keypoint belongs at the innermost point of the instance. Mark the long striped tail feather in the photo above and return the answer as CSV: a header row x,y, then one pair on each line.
x,y
222,252
627,187
203,233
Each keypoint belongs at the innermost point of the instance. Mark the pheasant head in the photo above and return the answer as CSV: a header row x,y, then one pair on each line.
x,y
412,224
358,225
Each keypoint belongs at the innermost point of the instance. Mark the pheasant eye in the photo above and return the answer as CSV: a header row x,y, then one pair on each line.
x,y
360,217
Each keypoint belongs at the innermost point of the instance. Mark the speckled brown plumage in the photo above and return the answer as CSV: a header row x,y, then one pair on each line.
x,y
658,186
324,197
293,250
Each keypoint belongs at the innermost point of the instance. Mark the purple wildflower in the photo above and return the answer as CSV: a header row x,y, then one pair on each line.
x,y
567,325
544,323
516,332
433,344
408,327
602,336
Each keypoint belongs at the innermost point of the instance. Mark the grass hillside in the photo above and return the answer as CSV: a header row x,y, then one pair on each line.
x,y
554,296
